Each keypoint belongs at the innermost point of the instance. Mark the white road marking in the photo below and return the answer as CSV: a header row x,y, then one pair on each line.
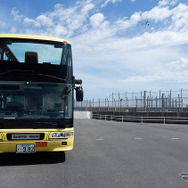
x,y
184,176
175,138
99,139
138,138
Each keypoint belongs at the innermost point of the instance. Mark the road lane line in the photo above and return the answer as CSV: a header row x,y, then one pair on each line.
x,y
99,139
175,138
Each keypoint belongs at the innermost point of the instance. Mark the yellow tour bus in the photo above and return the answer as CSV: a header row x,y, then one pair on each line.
x,y
36,94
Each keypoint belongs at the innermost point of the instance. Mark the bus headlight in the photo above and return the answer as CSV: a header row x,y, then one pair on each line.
x,y
62,135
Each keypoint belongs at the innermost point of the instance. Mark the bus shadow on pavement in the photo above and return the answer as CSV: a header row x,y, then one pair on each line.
x,y
31,159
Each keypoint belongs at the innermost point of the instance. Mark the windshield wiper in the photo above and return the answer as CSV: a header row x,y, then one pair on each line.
x,y
47,123
30,71
50,76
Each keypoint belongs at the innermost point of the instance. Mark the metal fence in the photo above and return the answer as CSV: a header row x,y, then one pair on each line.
x,y
141,119
163,101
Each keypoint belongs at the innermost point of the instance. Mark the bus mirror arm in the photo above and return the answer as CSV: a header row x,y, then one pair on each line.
x,y
79,82
76,81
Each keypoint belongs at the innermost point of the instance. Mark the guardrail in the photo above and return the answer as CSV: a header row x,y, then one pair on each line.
x,y
142,119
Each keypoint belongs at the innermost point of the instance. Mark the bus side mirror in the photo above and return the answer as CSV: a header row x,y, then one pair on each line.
x,y
79,94
79,89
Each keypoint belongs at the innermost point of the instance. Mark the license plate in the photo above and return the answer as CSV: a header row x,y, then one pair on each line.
x,y
25,148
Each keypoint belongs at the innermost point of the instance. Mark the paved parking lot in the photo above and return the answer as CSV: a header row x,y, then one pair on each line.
x,y
107,154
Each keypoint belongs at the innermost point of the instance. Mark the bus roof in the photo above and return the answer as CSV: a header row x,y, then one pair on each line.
x,y
32,37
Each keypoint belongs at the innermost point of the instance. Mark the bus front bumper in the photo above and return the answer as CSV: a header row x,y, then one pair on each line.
x,y
36,146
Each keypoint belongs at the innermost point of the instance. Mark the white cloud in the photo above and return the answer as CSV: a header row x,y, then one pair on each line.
x,y
13,30
179,18
108,1
59,31
3,24
45,20
29,22
125,23
157,14
77,19
16,15
173,2
180,64
87,7
167,2
96,19
178,77
163,2
61,21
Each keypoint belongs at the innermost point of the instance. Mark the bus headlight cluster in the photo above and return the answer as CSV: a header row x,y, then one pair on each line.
x,y
63,134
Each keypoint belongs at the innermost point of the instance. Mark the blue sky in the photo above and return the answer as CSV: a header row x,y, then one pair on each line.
x,y
113,50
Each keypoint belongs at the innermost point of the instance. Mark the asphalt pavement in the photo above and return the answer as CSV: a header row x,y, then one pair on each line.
x,y
106,155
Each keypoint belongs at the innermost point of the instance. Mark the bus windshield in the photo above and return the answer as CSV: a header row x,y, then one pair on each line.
x,y
36,82
37,52
35,100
